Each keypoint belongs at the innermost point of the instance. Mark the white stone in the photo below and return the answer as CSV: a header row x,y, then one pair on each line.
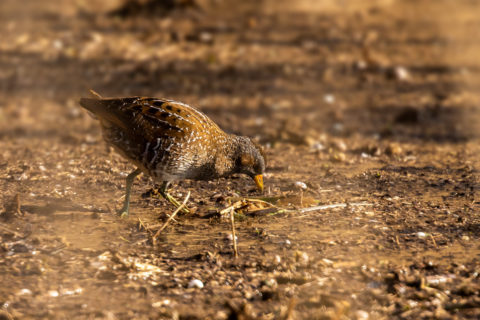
x,y
195,283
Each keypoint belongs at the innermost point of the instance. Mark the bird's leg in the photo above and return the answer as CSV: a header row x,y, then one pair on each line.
x,y
126,204
164,192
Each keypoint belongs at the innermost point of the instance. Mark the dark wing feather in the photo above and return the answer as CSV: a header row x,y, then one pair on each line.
x,y
151,117
111,110
169,118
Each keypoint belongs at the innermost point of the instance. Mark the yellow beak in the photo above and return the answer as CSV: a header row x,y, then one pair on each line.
x,y
259,182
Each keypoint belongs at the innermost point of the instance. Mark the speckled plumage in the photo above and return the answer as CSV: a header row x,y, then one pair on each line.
x,y
170,140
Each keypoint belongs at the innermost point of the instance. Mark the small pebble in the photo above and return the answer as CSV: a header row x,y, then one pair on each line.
x,y
361,315
53,293
302,256
301,185
329,98
230,237
70,292
338,157
393,150
195,283
339,145
421,234
438,279
270,282
360,65
401,73
277,259
206,37
162,303
24,292
317,146
57,44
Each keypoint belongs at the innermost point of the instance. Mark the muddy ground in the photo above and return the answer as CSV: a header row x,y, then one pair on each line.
x,y
372,104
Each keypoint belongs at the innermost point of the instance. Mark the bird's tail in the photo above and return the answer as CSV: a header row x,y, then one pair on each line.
x,y
103,109
94,105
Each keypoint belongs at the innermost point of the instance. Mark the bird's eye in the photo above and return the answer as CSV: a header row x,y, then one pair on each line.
x,y
246,160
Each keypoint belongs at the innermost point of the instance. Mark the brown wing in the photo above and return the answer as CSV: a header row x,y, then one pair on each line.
x,y
166,118
151,117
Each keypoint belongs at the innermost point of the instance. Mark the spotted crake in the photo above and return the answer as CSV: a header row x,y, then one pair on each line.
x,y
170,141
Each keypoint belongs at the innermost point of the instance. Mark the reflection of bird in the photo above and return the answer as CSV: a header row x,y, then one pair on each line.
x,y
170,140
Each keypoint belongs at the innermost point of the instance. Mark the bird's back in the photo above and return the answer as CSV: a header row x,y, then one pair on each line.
x,y
166,139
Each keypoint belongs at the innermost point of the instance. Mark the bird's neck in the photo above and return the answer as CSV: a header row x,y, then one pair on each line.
x,y
225,157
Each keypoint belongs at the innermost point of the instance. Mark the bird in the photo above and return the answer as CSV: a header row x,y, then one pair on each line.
x,y
170,141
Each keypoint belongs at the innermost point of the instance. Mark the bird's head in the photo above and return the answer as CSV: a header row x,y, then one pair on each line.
x,y
250,160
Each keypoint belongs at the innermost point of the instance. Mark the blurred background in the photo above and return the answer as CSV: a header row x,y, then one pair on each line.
x,y
342,67
373,100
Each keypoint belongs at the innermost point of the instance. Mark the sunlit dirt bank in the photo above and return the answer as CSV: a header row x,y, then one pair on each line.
x,y
368,110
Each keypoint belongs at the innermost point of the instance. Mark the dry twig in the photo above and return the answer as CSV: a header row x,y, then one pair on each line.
x,y
237,205
434,242
333,206
16,199
144,226
291,306
155,236
234,237
244,203
7,229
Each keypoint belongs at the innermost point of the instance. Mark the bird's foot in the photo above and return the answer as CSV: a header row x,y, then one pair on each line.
x,y
123,213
